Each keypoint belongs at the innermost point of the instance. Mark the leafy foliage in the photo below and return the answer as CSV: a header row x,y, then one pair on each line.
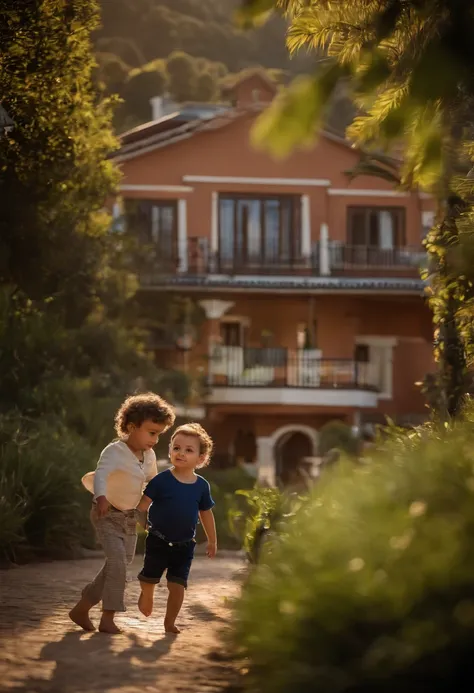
x,y
369,588
70,348
258,518
337,435
41,501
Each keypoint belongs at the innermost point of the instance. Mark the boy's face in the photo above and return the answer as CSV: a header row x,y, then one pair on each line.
x,y
146,436
184,452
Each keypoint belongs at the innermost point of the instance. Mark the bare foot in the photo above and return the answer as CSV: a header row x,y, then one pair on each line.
x,y
145,603
80,617
171,628
109,626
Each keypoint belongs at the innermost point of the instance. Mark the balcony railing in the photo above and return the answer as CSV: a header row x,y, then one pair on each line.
x,y
344,257
282,368
325,259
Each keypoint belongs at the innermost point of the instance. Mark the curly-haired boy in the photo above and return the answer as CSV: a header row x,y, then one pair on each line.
x,y
124,468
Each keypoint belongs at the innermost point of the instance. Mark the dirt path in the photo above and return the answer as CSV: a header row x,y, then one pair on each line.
x,y
42,652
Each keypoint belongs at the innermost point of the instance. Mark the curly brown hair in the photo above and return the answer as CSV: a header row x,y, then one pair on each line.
x,y
139,408
205,441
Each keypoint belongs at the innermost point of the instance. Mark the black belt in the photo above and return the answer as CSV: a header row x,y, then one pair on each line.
x,y
161,536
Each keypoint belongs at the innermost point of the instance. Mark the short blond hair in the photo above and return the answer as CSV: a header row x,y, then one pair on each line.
x,y
206,443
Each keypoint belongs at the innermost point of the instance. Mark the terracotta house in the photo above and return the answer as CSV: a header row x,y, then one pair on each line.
x,y
310,284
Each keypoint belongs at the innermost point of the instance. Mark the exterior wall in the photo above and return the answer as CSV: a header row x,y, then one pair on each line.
x,y
229,153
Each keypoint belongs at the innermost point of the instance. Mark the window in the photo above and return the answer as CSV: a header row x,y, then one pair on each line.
x,y
154,222
259,231
376,227
362,353
231,334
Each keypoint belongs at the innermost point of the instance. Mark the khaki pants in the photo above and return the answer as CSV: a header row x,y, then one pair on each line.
x,y
117,533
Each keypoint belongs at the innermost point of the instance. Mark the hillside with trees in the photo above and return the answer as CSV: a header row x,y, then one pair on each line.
x,y
184,48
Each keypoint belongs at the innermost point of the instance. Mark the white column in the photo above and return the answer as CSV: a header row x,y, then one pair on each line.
x,y
182,235
324,262
118,217
214,310
305,227
266,471
214,223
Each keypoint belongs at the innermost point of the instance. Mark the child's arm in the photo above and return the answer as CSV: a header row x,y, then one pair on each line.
x,y
106,464
142,510
209,525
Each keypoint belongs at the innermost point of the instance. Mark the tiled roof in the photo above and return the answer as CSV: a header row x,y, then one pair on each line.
x,y
347,284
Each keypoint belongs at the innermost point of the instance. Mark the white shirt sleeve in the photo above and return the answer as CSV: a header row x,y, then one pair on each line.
x,y
151,469
107,463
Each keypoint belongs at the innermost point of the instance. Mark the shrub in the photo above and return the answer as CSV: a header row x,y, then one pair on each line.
x,y
370,588
42,504
337,435
224,484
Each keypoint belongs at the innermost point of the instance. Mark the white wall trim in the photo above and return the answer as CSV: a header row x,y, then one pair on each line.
x,y
312,397
236,180
295,428
156,188
359,192
183,235
305,226
214,222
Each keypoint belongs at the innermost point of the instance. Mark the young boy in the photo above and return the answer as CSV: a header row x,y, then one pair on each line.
x,y
175,499
123,469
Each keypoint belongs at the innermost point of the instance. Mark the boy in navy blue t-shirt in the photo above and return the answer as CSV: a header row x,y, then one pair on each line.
x,y
176,499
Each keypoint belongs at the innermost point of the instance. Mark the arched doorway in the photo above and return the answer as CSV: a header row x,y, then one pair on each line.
x,y
290,451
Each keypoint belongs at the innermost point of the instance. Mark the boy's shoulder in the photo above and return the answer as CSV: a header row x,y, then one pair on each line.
x,y
203,481
161,476
116,447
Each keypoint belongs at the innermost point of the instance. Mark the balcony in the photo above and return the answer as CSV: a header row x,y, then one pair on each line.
x,y
241,375
357,259
332,258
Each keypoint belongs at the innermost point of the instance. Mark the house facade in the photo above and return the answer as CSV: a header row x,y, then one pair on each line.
x,y
309,283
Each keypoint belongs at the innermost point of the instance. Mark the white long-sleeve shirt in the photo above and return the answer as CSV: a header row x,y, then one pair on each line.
x,y
120,476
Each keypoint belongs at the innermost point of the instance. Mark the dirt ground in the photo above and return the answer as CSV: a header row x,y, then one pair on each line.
x,y
41,651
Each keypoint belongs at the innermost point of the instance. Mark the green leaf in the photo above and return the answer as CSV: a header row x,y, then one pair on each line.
x,y
295,116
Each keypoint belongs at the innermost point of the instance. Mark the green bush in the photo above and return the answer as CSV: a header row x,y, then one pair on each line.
x,y
224,484
370,587
43,507
260,517
336,435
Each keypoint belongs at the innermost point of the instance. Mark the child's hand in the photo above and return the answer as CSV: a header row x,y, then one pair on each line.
x,y
102,506
211,549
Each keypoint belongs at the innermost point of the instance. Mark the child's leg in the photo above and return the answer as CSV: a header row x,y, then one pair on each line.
x,y
109,583
145,600
91,595
79,614
154,564
181,558
173,606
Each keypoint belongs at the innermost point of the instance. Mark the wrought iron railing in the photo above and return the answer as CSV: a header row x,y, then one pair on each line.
x,y
280,367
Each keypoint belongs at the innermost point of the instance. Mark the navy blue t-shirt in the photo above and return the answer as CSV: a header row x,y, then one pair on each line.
x,y
175,507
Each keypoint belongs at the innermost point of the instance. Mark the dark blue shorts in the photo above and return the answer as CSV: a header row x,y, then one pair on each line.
x,y
160,556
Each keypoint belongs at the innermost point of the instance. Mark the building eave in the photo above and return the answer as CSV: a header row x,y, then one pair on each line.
x,y
297,285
